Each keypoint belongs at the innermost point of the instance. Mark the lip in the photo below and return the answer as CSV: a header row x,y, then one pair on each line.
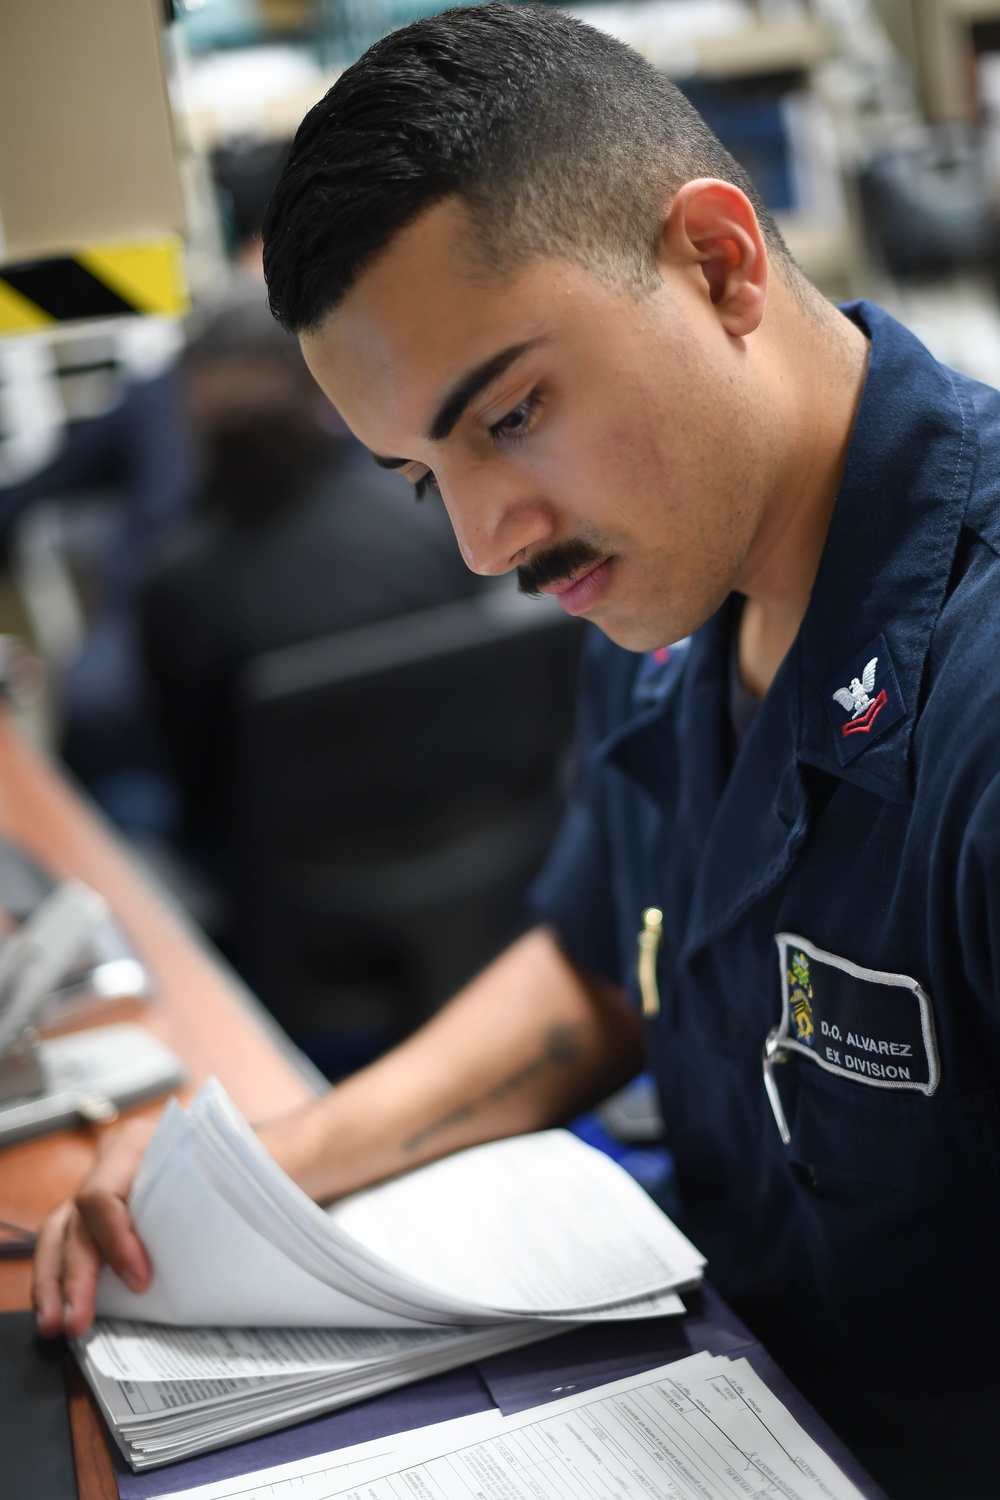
x,y
577,595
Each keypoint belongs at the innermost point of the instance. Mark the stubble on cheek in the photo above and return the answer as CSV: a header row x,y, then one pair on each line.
x,y
677,489
675,577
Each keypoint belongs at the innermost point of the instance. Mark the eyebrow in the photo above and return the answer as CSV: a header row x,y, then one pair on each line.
x,y
466,389
462,393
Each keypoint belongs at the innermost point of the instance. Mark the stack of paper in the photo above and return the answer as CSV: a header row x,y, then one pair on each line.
x,y
168,1393
493,1247
704,1428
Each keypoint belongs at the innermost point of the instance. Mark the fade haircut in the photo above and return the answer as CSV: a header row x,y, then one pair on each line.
x,y
558,139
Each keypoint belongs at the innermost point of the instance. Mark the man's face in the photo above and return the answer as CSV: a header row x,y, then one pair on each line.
x,y
611,447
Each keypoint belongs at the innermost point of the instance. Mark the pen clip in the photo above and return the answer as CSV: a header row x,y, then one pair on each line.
x,y
773,1055
650,942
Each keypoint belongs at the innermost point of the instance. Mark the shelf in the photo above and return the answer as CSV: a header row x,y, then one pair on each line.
x,y
973,11
777,47
943,33
275,119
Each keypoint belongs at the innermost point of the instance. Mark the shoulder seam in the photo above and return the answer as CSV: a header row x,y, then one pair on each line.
x,y
961,446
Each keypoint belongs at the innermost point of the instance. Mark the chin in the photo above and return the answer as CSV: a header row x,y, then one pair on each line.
x,y
647,630
633,635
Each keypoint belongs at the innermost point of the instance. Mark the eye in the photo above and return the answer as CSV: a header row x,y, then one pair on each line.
x,y
517,423
426,482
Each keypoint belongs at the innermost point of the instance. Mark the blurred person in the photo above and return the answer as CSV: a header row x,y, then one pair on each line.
x,y
245,174
295,535
528,276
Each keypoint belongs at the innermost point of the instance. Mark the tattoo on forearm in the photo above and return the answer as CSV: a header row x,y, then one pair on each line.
x,y
560,1048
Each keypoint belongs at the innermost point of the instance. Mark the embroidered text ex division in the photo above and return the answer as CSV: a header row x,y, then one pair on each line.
x,y
868,1025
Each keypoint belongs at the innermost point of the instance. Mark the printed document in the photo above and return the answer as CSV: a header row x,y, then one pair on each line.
x,y
265,1308
538,1226
704,1428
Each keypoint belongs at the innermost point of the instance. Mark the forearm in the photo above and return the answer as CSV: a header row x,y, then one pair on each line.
x,y
527,1044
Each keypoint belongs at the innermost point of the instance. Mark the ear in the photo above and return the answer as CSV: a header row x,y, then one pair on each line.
x,y
711,228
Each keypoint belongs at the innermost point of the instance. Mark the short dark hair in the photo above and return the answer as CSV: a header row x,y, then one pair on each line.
x,y
558,138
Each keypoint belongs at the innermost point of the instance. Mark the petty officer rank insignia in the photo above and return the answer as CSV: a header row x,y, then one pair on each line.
x,y
864,1024
863,699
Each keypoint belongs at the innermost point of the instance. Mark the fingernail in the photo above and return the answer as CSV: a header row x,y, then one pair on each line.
x,y
67,1311
132,1281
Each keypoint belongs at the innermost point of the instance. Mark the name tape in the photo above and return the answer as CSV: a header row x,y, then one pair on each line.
x,y
865,1024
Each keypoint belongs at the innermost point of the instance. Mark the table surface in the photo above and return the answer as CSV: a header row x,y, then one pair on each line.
x,y
199,1009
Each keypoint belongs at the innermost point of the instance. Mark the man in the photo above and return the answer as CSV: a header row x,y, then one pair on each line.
x,y
524,271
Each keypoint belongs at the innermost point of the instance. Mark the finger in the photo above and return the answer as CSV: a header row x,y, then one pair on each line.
x,y
76,1238
101,1201
108,1223
118,1158
46,1276
81,1267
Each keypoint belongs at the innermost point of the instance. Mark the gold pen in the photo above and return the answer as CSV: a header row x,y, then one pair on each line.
x,y
650,940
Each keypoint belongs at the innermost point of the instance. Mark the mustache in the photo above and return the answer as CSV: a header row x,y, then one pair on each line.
x,y
555,564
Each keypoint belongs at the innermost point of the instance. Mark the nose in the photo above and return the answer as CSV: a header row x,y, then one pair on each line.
x,y
496,530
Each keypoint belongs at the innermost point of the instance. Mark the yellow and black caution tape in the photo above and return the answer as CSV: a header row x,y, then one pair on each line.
x,y
97,281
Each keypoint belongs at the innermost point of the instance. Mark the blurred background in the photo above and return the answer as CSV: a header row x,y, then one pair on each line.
x,y
339,751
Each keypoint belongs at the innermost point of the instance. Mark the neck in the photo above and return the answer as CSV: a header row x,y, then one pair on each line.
x,y
818,379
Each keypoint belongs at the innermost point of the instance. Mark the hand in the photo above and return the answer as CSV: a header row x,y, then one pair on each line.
x,y
92,1227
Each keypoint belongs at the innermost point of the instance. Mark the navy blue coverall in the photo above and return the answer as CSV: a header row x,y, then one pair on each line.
x,y
859,822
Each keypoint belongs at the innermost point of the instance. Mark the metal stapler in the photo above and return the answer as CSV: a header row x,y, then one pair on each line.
x,y
85,1075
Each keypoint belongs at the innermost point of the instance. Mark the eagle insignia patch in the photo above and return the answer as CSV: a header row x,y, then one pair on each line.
x,y
863,700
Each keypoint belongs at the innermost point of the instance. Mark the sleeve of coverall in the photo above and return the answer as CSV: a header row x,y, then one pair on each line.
x,y
573,892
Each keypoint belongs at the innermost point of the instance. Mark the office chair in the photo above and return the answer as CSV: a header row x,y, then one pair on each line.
x,y
396,787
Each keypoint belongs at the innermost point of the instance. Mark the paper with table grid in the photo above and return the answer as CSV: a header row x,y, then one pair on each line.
x,y
704,1428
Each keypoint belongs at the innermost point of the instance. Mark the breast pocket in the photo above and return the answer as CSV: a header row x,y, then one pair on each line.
x,y
895,1216
935,1148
